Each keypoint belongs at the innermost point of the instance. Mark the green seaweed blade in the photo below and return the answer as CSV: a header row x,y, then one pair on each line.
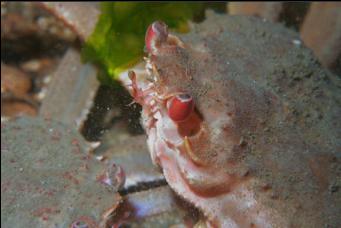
x,y
118,39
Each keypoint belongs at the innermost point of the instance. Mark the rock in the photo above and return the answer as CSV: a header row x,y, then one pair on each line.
x,y
14,81
48,177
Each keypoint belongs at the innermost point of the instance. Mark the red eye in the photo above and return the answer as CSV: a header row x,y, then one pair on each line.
x,y
156,32
180,107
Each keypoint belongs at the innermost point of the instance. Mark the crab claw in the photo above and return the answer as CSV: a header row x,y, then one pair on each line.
x,y
156,34
180,107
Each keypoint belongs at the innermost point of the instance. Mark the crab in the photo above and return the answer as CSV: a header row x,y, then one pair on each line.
x,y
243,122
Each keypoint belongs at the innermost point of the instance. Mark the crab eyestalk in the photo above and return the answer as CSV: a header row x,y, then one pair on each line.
x,y
180,107
156,34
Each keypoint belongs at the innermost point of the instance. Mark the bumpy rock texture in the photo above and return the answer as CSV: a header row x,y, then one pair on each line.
x,y
48,179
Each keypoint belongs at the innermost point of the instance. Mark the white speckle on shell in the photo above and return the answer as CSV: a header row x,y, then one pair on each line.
x,y
297,42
